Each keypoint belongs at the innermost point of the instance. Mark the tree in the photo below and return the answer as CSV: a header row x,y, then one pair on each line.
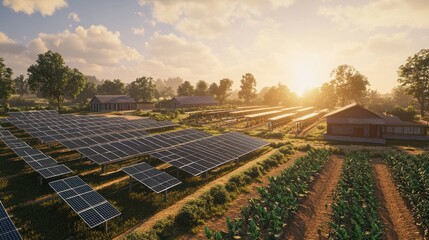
x,y
185,89
224,90
6,88
400,97
414,76
20,84
247,88
328,97
213,89
115,87
277,95
53,79
350,85
89,91
201,88
142,89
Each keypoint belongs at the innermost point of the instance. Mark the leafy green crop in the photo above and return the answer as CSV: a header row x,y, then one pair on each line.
x,y
411,174
265,217
354,211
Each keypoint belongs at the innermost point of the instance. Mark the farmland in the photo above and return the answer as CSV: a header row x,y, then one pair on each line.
x,y
275,192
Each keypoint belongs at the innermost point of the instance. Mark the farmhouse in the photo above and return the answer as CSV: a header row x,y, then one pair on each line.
x,y
354,123
192,101
112,103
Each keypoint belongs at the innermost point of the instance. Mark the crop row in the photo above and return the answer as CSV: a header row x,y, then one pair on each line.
x,y
354,210
266,216
411,174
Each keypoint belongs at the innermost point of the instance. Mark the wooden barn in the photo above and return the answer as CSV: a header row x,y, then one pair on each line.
x,y
192,101
112,103
354,123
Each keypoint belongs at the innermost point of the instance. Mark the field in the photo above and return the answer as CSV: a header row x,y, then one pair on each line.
x,y
298,187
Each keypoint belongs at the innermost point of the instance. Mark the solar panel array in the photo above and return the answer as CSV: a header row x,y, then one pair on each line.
x,y
40,162
117,151
151,177
101,139
8,230
200,156
93,208
50,127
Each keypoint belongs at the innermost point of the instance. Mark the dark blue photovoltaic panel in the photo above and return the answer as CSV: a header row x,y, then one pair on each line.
x,y
87,203
7,228
154,179
113,152
202,155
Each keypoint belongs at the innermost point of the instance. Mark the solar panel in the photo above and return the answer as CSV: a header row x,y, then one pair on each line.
x,y
40,162
93,208
113,152
202,155
152,178
8,230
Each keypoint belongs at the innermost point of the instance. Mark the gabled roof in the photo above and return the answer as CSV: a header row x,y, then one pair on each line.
x,y
189,100
350,106
113,99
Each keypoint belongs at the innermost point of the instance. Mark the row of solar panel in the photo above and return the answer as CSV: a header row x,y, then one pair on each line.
x,y
51,132
203,155
116,151
8,230
40,162
93,208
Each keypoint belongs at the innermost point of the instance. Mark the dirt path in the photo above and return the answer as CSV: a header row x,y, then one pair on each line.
x,y
315,210
219,223
394,214
174,209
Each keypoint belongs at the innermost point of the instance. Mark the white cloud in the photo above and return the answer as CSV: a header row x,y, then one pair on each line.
x,y
209,18
45,7
74,16
380,13
8,45
176,52
138,31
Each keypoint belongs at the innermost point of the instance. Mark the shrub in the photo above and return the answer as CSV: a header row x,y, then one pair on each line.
x,y
220,195
189,216
21,102
286,150
255,171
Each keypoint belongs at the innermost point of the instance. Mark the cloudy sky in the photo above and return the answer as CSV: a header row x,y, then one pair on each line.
x,y
295,42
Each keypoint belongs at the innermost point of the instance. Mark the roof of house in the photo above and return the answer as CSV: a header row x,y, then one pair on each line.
x,y
363,110
112,99
191,100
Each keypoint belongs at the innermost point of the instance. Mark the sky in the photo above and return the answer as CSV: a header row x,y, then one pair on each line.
x,y
294,42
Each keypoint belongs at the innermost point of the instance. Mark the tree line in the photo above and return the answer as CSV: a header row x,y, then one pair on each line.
x,y
52,79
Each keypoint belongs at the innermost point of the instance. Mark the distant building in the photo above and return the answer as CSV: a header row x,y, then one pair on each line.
x,y
112,103
192,101
354,123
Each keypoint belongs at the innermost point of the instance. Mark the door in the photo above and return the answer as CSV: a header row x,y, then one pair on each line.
x,y
372,131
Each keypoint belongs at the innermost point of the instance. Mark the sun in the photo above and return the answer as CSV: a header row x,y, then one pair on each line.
x,y
305,71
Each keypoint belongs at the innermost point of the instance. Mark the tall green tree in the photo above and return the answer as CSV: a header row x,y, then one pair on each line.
x,y
142,89
276,95
201,88
224,90
247,88
6,88
400,97
53,79
213,89
88,92
350,85
414,76
185,89
328,98
115,87
20,84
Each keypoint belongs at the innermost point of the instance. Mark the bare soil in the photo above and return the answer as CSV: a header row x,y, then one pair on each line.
x,y
313,214
397,219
